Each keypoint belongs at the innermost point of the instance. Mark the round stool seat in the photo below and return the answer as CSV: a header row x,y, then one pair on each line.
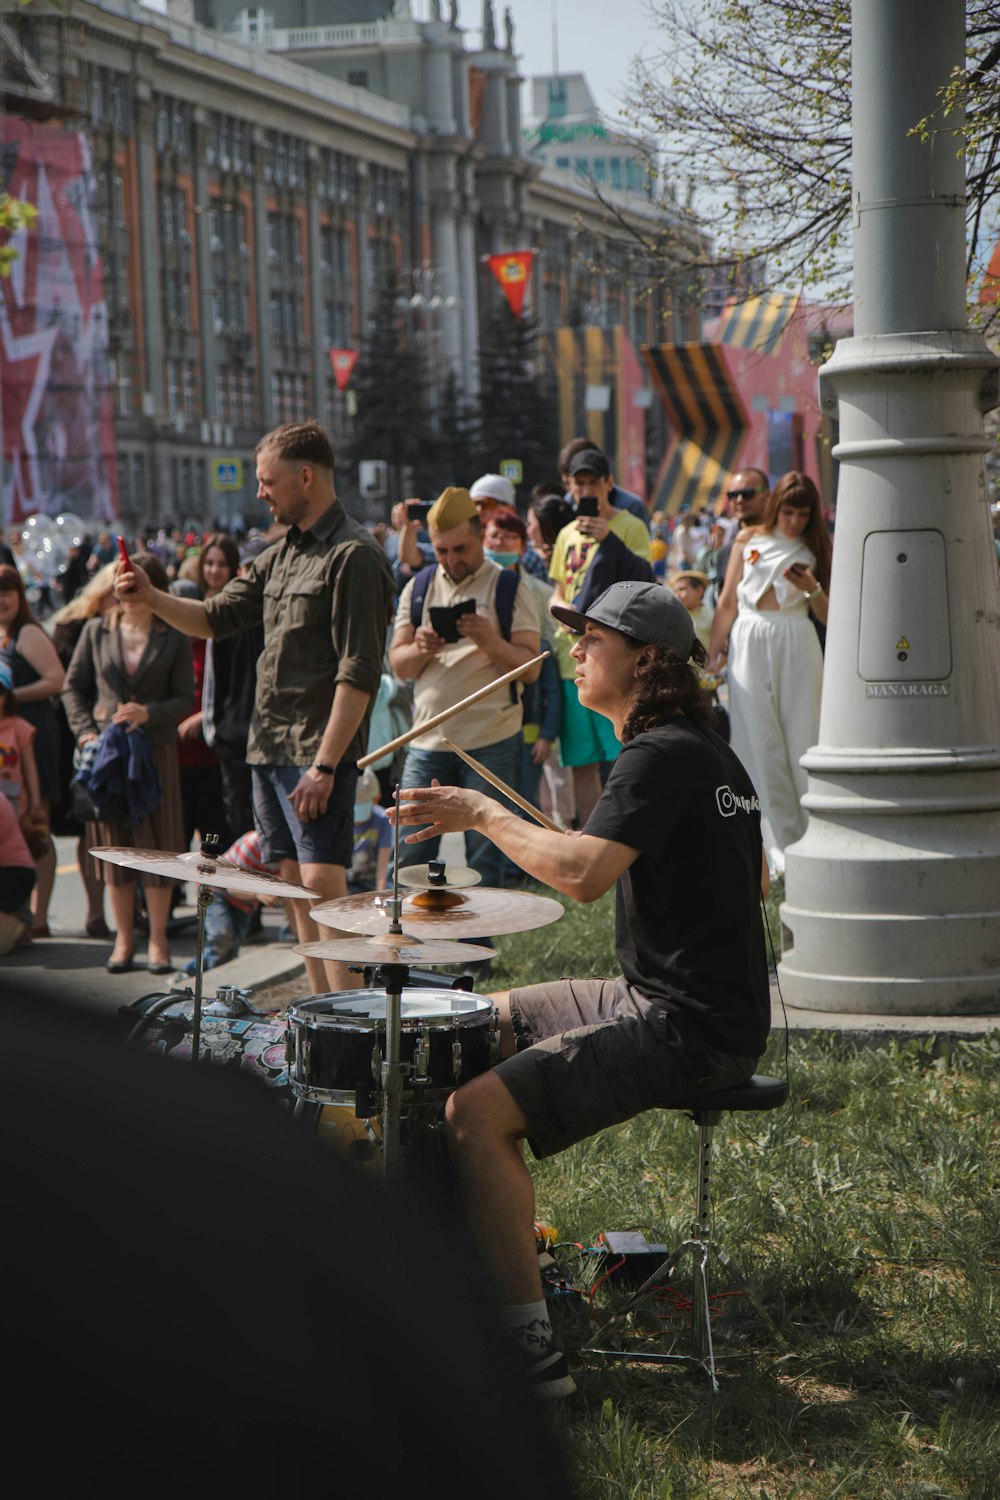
x,y
759,1092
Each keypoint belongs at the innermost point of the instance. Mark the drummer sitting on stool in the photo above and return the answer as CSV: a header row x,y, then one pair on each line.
x,y
678,828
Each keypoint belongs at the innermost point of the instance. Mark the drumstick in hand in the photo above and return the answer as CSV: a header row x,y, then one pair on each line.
x,y
502,786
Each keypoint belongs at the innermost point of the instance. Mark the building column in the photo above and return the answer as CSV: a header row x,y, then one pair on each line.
x,y
151,271
203,252
320,363
262,277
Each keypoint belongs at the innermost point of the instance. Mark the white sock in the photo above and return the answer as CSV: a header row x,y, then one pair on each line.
x,y
528,1323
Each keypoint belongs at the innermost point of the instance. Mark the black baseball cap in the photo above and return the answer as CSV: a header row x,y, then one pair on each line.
x,y
592,460
645,612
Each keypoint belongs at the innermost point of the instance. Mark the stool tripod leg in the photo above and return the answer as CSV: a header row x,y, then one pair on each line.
x,y
737,1276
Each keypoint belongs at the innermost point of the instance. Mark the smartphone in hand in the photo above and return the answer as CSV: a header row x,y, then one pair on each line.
x,y
587,505
123,553
417,510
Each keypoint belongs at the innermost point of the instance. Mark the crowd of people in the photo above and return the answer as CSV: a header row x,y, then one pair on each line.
x,y
466,591
216,688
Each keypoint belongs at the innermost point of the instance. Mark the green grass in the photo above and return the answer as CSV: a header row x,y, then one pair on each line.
x,y
866,1214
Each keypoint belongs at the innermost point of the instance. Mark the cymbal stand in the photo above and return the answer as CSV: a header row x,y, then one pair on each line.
x,y
210,850
394,1070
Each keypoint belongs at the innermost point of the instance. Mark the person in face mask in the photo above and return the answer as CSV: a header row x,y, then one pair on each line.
x,y
505,539
372,838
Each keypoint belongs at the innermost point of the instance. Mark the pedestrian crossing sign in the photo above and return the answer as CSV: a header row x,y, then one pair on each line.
x,y
227,474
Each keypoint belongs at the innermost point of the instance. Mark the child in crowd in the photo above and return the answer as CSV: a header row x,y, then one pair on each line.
x,y
229,918
372,838
17,878
689,585
18,769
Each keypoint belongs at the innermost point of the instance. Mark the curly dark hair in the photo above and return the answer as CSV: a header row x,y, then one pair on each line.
x,y
666,685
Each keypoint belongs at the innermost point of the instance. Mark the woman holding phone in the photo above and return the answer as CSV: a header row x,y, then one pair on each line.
x,y
778,572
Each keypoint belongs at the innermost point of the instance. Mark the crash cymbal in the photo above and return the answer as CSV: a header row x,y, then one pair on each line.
x,y
480,912
420,877
403,948
217,873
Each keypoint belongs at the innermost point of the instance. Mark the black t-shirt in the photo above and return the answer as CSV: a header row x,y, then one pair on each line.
x,y
688,928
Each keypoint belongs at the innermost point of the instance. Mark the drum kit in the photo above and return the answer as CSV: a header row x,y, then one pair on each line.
x,y
394,1047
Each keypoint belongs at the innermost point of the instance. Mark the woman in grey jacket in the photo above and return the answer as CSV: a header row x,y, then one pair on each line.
x,y
131,669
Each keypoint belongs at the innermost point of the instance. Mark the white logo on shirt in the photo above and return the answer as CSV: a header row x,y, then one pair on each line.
x,y
730,803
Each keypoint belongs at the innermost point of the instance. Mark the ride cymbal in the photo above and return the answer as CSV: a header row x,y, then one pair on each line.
x,y
479,912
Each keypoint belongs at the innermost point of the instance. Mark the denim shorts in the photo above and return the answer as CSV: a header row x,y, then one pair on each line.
x,y
328,840
594,1052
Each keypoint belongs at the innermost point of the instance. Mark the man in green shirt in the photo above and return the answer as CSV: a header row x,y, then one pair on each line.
x,y
324,596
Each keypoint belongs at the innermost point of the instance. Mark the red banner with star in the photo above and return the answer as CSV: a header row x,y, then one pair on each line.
x,y
343,362
58,424
513,272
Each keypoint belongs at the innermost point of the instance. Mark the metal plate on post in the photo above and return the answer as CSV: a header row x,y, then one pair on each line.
x,y
905,630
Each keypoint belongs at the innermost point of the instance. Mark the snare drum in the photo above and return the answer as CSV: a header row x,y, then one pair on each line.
x,y
336,1043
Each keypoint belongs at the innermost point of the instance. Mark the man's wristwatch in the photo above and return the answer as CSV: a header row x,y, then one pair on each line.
x,y
327,770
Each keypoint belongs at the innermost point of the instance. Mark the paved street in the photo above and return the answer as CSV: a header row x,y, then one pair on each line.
x,y
70,967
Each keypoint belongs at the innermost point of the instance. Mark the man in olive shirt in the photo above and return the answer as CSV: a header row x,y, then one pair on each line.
x,y
324,595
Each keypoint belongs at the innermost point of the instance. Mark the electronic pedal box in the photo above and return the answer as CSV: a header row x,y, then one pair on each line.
x,y
630,1255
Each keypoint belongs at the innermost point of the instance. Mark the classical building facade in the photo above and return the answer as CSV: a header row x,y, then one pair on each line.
x,y
255,171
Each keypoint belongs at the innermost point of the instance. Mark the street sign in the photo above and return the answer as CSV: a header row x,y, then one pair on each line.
x,y
227,474
512,469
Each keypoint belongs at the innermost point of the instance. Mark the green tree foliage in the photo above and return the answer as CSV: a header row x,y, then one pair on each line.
x,y
517,402
394,420
751,102
14,215
458,437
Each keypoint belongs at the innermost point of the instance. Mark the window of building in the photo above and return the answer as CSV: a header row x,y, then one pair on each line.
x,y
616,172
600,169
138,493
358,78
189,392
562,162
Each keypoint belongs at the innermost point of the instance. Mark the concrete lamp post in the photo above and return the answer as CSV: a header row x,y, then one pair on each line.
x,y
893,893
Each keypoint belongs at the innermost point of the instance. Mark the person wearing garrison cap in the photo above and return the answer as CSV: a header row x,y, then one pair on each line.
x,y
453,635
677,832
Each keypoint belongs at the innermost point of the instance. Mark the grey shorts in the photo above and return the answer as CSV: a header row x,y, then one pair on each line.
x,y
594,1052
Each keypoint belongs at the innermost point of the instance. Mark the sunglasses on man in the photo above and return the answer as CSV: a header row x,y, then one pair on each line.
x,y
743,494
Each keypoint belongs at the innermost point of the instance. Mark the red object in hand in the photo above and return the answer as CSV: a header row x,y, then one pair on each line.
x,y
123,550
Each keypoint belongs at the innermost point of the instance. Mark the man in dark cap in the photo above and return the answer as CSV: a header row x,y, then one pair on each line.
x,y
677,830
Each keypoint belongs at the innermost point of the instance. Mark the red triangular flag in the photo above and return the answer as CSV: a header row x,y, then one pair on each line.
x,y
513,272
343,362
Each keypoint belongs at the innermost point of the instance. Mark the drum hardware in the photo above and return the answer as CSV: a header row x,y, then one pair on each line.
x,y
421,1058
209,872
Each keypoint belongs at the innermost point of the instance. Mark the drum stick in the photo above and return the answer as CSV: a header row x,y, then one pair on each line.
x,y
449,713
502,786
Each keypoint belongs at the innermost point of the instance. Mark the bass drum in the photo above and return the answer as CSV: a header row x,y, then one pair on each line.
x,y
336,1044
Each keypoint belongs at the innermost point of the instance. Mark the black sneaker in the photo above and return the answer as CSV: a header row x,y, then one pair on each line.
x,y
548,1376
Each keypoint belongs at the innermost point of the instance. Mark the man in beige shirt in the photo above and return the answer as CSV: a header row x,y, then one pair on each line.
x,y
450,662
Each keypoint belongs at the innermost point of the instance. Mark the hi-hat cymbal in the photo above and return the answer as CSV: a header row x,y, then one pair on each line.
x,y
480,912
218,873
403,948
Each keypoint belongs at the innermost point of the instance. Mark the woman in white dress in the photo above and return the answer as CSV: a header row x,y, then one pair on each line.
x,y
777,573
